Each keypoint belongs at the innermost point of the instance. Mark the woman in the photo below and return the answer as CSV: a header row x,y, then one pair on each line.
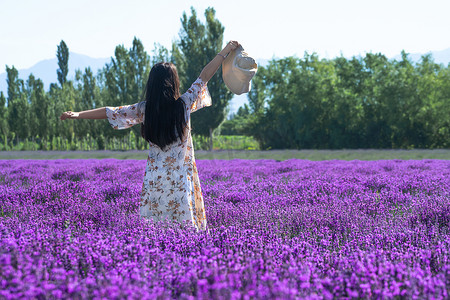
x,y
171,187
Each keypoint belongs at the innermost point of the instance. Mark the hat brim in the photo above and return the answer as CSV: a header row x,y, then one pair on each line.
x,y
237,79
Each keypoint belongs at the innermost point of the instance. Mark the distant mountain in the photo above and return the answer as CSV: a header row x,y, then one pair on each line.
x,y
46,69
439,57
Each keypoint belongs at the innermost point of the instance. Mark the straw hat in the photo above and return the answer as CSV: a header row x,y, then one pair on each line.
x,y
238,70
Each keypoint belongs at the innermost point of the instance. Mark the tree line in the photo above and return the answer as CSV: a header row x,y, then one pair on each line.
x,y
362,102
29,114
296,103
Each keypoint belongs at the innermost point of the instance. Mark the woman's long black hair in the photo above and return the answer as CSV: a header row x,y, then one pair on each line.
x,y
164,119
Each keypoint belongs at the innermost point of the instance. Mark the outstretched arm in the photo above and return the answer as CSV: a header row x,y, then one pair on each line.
x,y
211,68
97,113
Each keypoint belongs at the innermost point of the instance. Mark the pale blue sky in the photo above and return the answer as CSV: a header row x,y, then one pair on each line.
x,y
30,30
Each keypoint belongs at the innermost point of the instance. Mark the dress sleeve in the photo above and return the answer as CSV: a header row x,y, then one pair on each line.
x,y
197,96
122,117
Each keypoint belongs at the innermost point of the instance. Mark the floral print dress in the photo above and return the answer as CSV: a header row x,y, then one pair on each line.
x,y
171,187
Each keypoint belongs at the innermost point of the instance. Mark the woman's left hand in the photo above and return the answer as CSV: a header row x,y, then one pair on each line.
x,y
69,115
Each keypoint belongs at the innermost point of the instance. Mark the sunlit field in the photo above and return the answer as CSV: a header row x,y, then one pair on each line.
x,y
346,154
289,229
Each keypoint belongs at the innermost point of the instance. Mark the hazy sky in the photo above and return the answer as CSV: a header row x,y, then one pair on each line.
x,y
30,30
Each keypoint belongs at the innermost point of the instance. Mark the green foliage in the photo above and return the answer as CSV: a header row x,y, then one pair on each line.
x,y
125,143
160,54
63,62
295,103
238,123
367,102
4,115
124,81
39,112
198,45
17,104
225,142
236,142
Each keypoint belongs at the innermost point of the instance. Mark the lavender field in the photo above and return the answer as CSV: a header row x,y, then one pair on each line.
x,y
294,229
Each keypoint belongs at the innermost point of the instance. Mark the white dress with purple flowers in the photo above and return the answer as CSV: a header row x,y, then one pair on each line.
x,y
171,187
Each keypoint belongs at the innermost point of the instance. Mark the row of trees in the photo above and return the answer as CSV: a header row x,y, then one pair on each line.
x,y
28,112
300,103
363,102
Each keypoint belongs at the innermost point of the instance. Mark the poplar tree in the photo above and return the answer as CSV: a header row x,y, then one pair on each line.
x,y
63,62
65,97
198,45
124,80
41,109
89,98
3,117
32,116
17,103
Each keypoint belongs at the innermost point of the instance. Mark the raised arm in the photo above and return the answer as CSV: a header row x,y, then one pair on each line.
x,y
97,113
211,68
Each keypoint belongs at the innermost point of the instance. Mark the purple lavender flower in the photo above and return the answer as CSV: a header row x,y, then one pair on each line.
x,y
294,229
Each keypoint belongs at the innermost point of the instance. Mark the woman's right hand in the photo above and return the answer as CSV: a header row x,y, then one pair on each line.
x,y
232,45
69,115
211,68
